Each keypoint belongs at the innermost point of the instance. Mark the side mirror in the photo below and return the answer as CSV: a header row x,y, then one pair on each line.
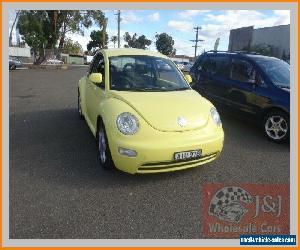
x,y
96,78
188,78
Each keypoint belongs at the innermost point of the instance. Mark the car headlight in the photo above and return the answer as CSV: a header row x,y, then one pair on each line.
x,y
127,123
215,116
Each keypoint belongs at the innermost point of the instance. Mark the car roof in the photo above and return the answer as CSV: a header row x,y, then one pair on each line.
x,y
131,51
238,53
262,57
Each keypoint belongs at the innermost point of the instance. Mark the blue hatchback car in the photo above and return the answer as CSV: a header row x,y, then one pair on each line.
x,y
251,84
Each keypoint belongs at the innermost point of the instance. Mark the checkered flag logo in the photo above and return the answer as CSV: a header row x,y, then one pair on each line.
x,y
227,204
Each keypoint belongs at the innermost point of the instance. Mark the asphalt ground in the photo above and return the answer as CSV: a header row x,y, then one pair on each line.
x,y
58,190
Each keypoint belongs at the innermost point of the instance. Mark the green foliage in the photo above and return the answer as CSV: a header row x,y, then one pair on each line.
x,y
266,50
97,16
96,40
72,48
73,21
136,42
164,44
42,29
114,39
39,29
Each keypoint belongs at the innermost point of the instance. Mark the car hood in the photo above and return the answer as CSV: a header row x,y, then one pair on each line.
x,y
163,110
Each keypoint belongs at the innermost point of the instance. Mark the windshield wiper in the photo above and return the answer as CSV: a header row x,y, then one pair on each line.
x,y
151,89
183,88
154,89
142,89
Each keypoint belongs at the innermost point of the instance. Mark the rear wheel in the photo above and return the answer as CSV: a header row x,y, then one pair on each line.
x,y
276,126
104,154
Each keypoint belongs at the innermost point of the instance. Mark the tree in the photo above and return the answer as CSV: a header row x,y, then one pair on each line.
x,y
136,42
73,21
12,27
164,44
101,22
96,40
73,48
265,49
114,39
40,30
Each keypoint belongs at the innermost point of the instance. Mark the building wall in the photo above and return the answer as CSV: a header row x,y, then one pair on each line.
x,y
75,60
277,36
66,58
19,52
178,59
240,39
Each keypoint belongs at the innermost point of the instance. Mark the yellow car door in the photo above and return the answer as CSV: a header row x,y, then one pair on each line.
x,y
94,91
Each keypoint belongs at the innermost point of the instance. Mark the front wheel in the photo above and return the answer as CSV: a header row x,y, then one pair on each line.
x,y
79,109
104,154
12,67
276,126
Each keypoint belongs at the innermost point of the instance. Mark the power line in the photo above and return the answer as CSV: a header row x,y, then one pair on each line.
x,y
197,39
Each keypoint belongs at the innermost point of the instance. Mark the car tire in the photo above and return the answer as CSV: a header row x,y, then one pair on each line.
x,y
104,154
276,126
79,109
12,67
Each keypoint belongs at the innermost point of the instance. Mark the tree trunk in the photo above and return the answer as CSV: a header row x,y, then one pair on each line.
x,y
61,41
12,28
41,57
104,33
62,38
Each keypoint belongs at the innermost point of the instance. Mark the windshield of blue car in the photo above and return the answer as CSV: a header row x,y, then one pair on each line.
x,y
144,73
277,70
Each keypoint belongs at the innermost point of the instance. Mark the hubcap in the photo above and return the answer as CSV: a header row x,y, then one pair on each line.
x,y
102,145
276,127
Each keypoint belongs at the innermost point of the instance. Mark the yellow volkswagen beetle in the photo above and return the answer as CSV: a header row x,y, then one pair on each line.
x,y
144,115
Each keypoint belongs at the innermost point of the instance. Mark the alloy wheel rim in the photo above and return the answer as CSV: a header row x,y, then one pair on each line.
x,y
102,145
276,127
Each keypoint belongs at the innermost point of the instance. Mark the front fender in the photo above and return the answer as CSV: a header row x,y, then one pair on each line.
x,y
110,109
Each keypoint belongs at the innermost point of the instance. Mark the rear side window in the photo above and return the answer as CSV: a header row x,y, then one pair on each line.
x,y
242,71
216,65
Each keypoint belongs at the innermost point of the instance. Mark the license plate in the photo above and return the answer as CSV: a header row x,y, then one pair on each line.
x,y
187,155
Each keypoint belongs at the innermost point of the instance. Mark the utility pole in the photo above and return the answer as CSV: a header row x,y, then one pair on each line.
x,y
196,40
119,22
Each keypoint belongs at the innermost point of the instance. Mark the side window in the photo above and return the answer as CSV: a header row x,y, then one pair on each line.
x,y
216,65
99,66
219,66
205,65
260,81
242,71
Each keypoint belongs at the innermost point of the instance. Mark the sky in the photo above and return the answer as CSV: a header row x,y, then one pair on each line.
x,y
180,25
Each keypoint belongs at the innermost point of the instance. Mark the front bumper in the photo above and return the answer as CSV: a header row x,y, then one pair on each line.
x,y
155,154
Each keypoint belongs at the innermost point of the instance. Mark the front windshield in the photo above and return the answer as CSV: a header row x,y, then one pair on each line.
x,y
277,70
144,73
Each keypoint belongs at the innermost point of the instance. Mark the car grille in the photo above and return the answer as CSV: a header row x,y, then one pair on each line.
x,y
168,166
